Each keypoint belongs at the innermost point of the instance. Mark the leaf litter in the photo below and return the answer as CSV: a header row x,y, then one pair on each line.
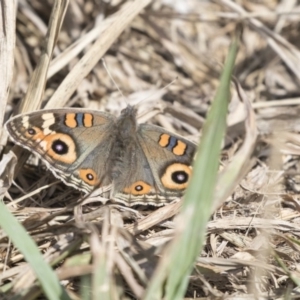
x,y
186,42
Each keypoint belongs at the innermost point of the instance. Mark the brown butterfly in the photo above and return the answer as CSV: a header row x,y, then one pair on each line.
x,y
145,164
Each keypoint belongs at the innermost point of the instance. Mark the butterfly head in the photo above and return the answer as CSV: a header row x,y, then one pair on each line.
x,y
126,123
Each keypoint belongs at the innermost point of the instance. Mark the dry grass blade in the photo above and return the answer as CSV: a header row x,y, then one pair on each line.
x,y
36,88
285,102
7,45
111,32
155,218
7,166
73,50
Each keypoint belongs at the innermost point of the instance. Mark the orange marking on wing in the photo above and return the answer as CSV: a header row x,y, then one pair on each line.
x,y
169,177
180,148
46,143
70,120
138,188
34,133
89,176
69,157
164,140
88,120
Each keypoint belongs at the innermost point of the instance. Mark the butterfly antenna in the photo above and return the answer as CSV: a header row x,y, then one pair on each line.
x,y
163,88
170,83
112,79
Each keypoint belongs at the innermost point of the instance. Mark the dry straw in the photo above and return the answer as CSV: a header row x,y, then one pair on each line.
x,y
95,251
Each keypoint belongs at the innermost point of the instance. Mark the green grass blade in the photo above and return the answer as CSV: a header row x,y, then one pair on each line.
x,y
45,275
171,277
85,287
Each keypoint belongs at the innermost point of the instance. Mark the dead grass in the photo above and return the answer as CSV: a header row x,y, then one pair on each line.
x,y
256,228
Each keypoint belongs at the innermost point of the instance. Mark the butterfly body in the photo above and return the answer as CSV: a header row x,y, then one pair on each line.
x,y
145,164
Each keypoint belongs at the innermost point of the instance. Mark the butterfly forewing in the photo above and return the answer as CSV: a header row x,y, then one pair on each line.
x,y
67,140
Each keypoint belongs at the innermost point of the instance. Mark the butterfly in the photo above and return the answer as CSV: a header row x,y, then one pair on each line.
x,y
144,164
